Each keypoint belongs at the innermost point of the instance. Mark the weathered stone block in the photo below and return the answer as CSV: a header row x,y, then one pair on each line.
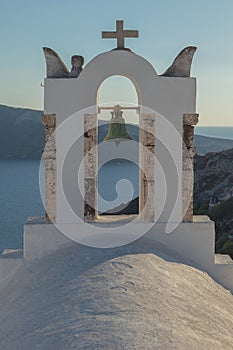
x,y
91,163
147,125
50,200
147,128
147,206
90,122
90,203
90,166
188,216
148,163
188,164
188,153
50,164
190,118
188,135
187,184
49,120
49,154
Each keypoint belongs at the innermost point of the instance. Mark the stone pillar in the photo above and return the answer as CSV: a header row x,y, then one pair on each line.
x,y
90,166
189,120
49,155
147,164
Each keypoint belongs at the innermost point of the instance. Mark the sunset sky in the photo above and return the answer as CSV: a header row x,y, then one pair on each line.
x,y
74,27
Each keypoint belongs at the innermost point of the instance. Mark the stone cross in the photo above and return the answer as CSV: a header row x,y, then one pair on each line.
x,y
120,34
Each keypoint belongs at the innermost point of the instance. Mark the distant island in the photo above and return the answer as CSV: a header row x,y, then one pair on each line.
x,y
22,135
204,144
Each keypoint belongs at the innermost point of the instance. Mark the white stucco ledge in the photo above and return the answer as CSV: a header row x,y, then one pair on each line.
x,y
193,240
201,218
223,259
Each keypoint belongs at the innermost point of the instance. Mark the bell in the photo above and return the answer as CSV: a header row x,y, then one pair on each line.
x,y
117,129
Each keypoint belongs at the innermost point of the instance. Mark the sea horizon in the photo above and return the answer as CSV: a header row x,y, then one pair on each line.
x,y
221,132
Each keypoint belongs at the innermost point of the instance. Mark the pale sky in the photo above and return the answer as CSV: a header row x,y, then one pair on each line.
x,y
74,27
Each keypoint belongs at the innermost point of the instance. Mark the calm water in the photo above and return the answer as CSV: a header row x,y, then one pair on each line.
x,y
19,198
223,132
117,183
20,194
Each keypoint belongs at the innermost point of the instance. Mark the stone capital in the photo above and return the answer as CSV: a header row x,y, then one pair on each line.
x,y
147,121
90,122
49,120
190,118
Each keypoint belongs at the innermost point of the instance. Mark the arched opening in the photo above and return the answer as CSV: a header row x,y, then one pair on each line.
x,y
118,90
118,161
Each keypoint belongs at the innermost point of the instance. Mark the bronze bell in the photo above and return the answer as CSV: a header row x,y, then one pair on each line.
x,y
117,131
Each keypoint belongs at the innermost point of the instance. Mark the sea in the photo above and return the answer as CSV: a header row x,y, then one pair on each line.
x,y
222,132
20,192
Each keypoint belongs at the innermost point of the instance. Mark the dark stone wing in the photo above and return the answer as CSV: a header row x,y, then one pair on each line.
x,y
55,67
181,65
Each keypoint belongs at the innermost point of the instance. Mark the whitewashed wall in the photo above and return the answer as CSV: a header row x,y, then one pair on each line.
x,y
169,96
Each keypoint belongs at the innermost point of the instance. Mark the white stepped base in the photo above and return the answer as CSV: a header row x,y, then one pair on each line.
x,y
195,241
